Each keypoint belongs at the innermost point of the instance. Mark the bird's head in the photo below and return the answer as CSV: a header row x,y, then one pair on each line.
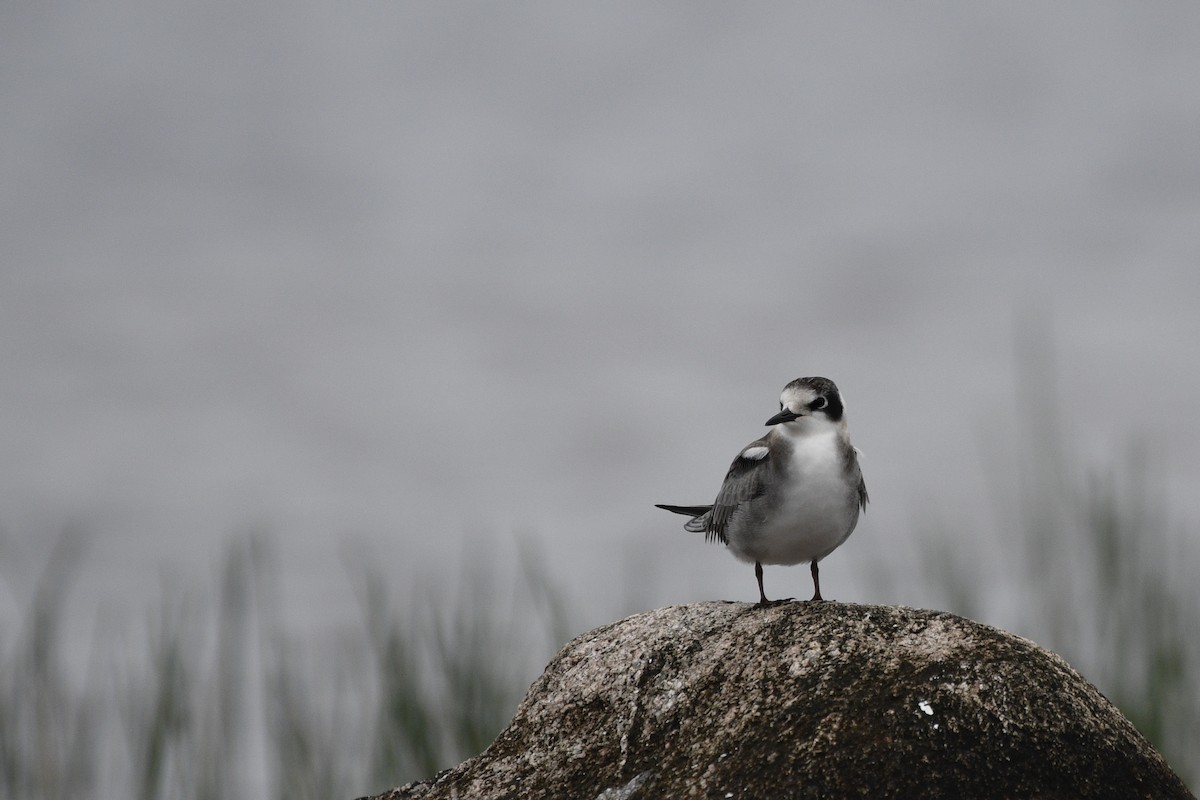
x,y
809,401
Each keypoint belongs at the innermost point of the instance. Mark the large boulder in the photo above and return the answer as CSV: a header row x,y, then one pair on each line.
x,y
821,700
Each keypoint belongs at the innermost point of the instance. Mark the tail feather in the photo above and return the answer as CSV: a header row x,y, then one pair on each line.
x,y
699,520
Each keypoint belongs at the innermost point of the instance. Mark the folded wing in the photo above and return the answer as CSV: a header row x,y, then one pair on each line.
x,y
744,482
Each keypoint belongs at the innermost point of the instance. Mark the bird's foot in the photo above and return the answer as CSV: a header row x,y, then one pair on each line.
x,y
765,603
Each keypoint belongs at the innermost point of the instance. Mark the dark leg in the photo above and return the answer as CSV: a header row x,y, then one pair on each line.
x,y
816,598
762,596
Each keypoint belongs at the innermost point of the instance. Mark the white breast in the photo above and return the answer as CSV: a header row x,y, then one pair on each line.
x,y
810,514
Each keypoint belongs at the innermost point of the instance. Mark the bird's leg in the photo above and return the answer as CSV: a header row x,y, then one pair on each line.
x,y
762,596
816,598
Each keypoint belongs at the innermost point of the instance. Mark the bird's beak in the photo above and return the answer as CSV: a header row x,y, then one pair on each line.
x,y
787,415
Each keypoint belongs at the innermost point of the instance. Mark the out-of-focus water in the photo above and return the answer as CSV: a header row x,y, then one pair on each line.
x,y
423,279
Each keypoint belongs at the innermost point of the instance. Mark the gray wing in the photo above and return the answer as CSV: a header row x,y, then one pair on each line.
x,y
862,484
745,481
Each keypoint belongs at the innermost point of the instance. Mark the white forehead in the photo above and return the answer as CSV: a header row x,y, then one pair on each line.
x,y
797,395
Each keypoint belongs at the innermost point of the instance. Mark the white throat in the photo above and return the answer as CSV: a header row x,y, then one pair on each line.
x,y
808,426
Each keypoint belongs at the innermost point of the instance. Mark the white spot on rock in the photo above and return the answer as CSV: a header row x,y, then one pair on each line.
x,y
627,791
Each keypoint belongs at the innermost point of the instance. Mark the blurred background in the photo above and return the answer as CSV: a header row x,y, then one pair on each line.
x,y
344,349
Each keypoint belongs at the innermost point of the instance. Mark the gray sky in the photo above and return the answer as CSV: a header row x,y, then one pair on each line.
x,y
430,276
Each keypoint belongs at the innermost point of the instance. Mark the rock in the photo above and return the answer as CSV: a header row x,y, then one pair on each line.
x,y
727,700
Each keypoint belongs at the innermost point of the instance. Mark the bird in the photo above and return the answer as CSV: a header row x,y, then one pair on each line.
x,y
795,494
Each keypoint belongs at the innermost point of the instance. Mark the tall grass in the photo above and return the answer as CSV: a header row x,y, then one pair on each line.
x,y
224,702
47,731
